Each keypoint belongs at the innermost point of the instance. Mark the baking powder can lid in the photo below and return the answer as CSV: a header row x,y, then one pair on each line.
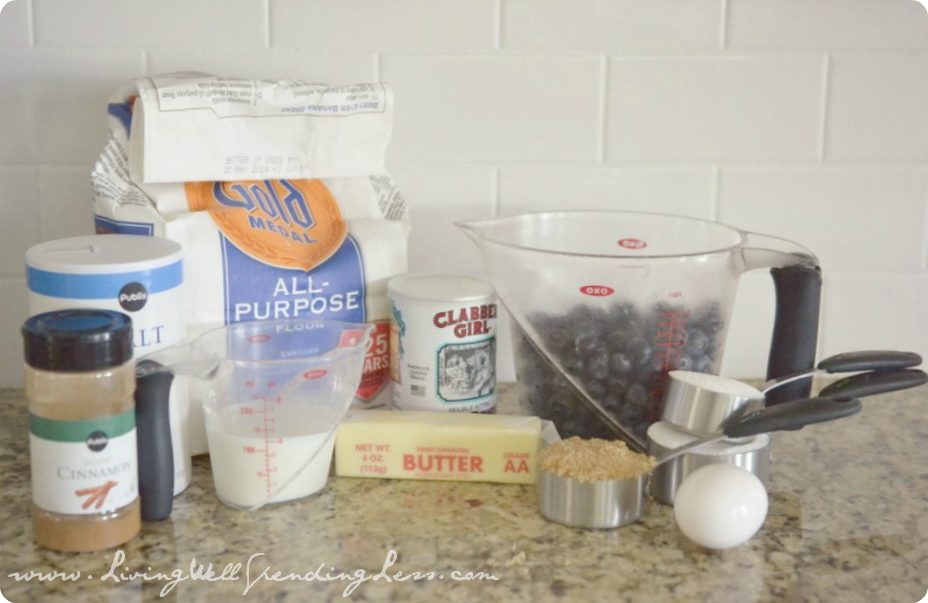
x,y
440,287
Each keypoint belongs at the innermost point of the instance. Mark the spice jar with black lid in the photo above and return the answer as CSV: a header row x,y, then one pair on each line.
x,y
80,381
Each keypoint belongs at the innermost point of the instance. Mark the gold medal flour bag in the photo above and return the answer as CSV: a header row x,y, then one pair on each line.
x,y
275,189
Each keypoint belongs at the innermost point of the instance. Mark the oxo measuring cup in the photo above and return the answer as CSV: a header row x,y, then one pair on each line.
x,y
606,303
275,391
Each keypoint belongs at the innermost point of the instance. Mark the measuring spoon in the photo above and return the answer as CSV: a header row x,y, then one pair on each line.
x,y
851,362
875,382
789,416
613,503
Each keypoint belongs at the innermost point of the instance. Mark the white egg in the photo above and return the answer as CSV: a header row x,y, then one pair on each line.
x,y
720,506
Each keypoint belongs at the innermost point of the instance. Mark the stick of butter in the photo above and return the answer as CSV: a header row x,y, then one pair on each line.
x,y
440,446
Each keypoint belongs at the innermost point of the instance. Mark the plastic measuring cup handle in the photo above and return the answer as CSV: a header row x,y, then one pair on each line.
x,y
153,434
795,329
869,360
877,382
791,416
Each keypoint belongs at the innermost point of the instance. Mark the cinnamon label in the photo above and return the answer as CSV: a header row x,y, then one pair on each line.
x,y
83,467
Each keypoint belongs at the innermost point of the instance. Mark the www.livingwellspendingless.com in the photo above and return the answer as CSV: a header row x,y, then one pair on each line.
x,y
253,571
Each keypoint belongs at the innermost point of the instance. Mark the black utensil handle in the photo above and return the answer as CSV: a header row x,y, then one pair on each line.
x,y
153,433
869,360
879,382
793,415
795,329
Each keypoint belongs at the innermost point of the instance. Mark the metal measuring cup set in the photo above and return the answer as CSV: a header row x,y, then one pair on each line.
x,y
707,419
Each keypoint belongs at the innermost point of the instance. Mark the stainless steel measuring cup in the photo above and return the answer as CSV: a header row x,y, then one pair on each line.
x,y
614,503
700,404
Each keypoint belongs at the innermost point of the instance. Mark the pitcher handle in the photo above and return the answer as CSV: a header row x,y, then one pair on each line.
x,y
153,439
797,280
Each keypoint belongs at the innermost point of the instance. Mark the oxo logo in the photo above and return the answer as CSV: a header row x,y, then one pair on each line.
x,y
630,243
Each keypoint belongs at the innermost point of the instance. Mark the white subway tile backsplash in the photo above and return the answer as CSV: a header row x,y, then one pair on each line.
x,y
877,108
437,198
150,24
398,25
54,102
13,300
866,312
788,25
853,219
715,109
19,217
612,26
329,68
683,191
494,109
719,109
747,346
14,23
65,201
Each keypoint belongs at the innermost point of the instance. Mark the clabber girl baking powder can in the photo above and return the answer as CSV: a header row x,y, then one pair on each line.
x,y
443,343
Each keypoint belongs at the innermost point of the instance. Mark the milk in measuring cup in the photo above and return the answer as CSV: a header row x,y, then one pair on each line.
x,y
249,466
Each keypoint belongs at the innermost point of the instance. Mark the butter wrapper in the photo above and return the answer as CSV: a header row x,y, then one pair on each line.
x,y
441,446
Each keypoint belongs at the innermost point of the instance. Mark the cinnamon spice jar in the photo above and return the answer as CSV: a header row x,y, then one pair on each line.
x,y
80,380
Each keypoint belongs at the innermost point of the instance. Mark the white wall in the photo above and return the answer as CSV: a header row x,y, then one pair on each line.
x,y
806,119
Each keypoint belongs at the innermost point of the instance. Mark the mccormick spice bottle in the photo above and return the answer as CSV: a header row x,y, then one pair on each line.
x,y
80,380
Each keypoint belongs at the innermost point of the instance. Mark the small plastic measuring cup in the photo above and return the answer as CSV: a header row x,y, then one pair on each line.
x,y
275,393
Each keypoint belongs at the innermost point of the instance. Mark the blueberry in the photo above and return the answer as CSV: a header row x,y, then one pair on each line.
x,y
639,351
557,339
596,389
637,396
586,341
711,319
617,338
573,364
696,341
620,364
616,386
613,405
701,363
623,313
683,363
597,365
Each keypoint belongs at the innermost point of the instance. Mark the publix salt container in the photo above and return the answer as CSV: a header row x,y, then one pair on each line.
x,y
443,343
140,276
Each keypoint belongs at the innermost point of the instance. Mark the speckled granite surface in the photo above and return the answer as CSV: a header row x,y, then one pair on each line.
x,y
848,522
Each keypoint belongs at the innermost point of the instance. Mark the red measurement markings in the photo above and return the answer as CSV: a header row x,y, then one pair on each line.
x,y
671,333
671,330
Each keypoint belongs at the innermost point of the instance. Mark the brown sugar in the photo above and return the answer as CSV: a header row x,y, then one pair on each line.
x,y
594,460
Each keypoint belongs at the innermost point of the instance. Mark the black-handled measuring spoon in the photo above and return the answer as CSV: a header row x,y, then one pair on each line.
x,y
852,362
876,382
788,416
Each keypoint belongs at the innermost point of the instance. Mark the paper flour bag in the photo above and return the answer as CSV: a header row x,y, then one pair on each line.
x,y
275,189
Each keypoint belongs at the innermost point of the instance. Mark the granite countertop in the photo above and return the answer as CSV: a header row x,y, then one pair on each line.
x,y
848,521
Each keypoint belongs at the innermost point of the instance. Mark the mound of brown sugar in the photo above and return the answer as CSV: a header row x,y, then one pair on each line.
x,y
593,460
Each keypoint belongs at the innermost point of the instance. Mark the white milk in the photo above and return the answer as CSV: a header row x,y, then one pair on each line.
x,y
241,467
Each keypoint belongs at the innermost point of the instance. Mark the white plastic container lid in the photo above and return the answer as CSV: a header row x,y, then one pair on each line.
x,y
440,287
103,254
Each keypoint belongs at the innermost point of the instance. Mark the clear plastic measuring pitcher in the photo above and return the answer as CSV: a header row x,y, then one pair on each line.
x,y
275,392
606,303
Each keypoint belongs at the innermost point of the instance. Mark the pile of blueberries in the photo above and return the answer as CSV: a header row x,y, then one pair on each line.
x,y
621,355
